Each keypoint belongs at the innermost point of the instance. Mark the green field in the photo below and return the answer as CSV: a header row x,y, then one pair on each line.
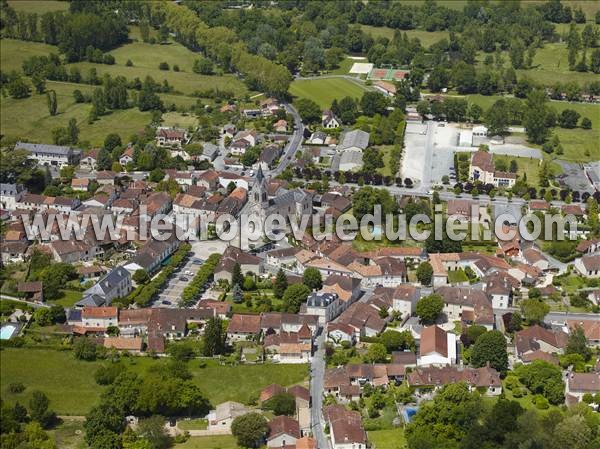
x,y
427,38
146,58
220,442
38,6
70,384
580,145
387,439
29,118
550,65
323,91
13,52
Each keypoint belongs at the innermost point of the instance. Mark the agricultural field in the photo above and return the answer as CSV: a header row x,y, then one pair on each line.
x,y
427,38
70,385
323,91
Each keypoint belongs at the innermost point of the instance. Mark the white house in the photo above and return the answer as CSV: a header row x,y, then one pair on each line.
x,y
437,347
100,317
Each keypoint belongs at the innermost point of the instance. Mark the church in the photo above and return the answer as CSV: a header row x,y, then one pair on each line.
x,y
291,204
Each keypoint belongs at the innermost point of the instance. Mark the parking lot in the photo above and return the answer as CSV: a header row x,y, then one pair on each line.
x,y
171,295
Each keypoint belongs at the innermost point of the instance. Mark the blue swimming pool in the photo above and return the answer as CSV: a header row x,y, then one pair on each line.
x,y
7,331
408,413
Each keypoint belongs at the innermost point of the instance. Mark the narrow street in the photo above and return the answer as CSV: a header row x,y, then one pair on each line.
x,y
317,376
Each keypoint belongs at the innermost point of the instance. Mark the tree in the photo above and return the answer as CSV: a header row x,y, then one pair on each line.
x,y
51,100
568,118
398,341
544,378
280,284
99,102
104,160
214,338
535,117
38,409
308,110
577,344
534,310
153,430
112,141
39,83
496,118
376,353
281,404
73,131
312,278
84,349
141,276
586,123
373,103
294,296
18,88
425,273
490,347
516,53
249,429
429,308
102,422
237,278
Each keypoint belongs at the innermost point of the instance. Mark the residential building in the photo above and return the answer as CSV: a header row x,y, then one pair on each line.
x,y
437,347
100,317
10,195
345,428
243,327
436,377
115,284
52,155
223,415
283,431
171,137
482,169
589,265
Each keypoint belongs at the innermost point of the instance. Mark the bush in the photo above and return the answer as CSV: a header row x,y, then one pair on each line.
x,y
517,392
129,63
176,68
163,66
16,387
541,403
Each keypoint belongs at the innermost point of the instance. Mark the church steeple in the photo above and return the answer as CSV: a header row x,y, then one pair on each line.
x,y
259,190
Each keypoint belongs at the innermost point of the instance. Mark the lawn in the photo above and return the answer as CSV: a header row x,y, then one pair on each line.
x,y
345,66
579,145
214,442
193,424
69,298
38,6
70,384
179,120
457,276
387,439
386,151
427,38
69,434
324,91
13,52
528,165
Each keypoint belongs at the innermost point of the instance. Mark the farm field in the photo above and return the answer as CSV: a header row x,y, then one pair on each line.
x,y
70,385
427,38
323,91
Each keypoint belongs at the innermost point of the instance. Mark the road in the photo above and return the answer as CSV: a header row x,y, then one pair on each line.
x,y
316,392
289,153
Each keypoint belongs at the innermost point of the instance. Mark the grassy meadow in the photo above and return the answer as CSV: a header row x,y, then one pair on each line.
x,y
324,91
38,6
427,38
387,439
213,442
70,385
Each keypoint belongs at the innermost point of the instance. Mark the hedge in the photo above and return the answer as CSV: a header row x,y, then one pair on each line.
x,y
144,294
191,292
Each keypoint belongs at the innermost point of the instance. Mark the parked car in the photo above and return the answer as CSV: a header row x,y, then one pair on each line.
x,y
183,278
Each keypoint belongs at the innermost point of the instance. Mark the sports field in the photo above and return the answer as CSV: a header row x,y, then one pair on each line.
x,y
323,91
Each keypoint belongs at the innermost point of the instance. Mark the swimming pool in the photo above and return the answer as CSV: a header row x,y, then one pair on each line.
x,y
7,331
408,413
